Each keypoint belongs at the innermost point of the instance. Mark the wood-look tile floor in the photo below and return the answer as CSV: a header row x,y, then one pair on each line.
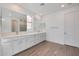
x,y
50,49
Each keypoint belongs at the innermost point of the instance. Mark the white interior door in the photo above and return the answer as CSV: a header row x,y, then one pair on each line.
x,y
76,29
71,28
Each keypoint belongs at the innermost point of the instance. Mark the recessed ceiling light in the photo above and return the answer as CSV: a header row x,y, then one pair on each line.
x,y
62,6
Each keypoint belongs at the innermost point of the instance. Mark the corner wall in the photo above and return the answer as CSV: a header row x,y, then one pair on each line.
x,y
55,25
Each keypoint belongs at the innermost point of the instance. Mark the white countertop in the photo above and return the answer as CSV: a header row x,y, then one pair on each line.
x,y
9,38
20,34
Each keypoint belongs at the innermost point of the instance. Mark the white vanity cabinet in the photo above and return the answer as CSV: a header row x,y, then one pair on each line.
x,y
39,38
42,36
36,37
29,41
16,44
23,43
7,47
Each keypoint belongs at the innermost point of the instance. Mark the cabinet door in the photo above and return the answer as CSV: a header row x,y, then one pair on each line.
x,y
0,48
0,51
17,46
42,36
37,38
26,38
7,49
8,46
21,42
29,41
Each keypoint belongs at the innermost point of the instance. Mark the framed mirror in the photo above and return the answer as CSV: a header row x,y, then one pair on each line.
x,y
12,22
23,24
14,25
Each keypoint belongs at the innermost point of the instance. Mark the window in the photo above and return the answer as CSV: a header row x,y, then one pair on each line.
x,y
29,23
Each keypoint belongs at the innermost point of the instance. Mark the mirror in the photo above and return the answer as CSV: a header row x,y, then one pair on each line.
x,y
14,25
23,24
12,22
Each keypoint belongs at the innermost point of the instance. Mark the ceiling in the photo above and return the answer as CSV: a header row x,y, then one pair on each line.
x,y
47,8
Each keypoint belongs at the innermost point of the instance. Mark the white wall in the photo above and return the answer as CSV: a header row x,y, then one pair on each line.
x,y
55,25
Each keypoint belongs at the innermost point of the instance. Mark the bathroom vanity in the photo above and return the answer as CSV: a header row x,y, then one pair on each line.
x,y
12,45
19,32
